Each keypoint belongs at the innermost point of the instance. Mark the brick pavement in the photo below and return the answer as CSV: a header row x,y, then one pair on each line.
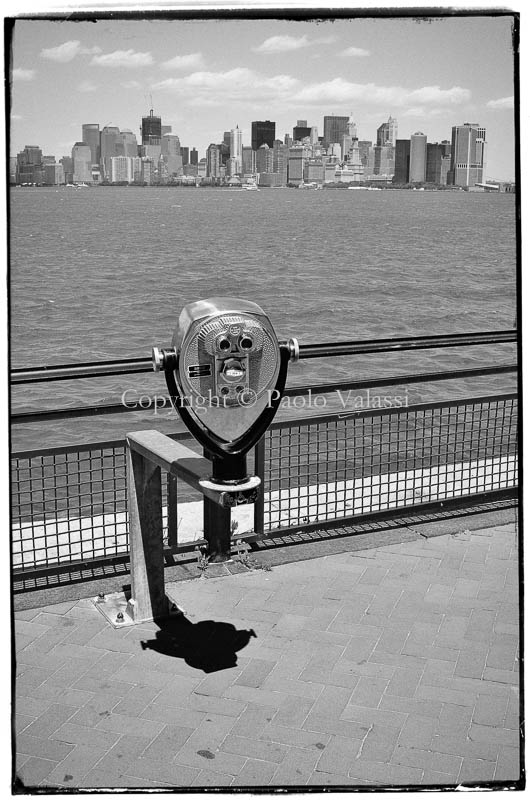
x,y
394,666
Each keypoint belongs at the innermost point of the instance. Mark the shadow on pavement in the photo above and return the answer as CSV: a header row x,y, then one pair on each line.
x,y
206,645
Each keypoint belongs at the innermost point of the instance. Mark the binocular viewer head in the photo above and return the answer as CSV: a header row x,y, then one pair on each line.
x,y
225,371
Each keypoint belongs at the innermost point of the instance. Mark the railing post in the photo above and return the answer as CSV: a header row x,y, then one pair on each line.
x,y
259,470
144,489
172,511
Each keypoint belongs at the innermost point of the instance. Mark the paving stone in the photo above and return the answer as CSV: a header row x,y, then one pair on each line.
x,y
494,735
379,743
255,773
338,755
447,763
417,732
72,770
51,719
420,708
34,771
490,710
404,682
508,766
254,673
205,779
470,664
293,737
43,748
225,763
368,691
78,734
385,774
169,773
168,743
296,768
121,723
475,771
292,712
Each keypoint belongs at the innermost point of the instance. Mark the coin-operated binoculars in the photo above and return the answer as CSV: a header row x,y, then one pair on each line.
x,y
226,373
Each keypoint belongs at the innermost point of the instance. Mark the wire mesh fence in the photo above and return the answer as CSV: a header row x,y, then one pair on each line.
x,y
69,504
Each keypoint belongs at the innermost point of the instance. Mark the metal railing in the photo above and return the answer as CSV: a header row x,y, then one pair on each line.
x,y
69,504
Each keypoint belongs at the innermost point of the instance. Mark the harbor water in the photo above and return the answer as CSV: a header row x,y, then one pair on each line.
x,y
103,273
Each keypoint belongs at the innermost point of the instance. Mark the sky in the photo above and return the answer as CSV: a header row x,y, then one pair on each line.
x,y
205,76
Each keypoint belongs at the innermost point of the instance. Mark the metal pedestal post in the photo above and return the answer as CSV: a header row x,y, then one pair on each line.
x,y
217,523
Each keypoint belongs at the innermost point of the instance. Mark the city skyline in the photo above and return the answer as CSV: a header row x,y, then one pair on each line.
x,y
205,77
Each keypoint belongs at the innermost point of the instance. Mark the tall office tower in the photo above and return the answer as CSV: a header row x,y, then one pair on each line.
x,y
165,129
249,160
185,152
29,165
151,129
334,129
384,160
265,159
387,133
280,161
121,169
354,161
171,154
301,131
365,147
236,150
126,144
263,132
468,154
295,170
90,136
418,157
68,167
53,174
136,164
148,171
402,162
313,136
107,147
437,166
82,158
194,156
213,161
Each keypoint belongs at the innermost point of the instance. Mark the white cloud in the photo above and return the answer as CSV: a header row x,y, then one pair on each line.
x,y
23,74
68,51
123,58
282,44
131,85
243,85
190,61
502,103
354,52
87,86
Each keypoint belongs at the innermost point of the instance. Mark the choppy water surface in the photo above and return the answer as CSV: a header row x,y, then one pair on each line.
x,y
103,273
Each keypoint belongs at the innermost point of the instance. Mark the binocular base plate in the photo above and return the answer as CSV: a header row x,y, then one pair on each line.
x,y
250,483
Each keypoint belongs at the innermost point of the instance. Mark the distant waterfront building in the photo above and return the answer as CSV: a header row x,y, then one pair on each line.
x,y
438,162
402,161
236,151
185,153
121,170
384,160
418,157
90,136
126,144
213,161
82,158
262,132
29,165
281,161
295,170
151,129
68,167
12,169
53,174
468,154
314,171
265,159
194,157
108,139
334,129
248,156
148,171
301,131
171,155
387,133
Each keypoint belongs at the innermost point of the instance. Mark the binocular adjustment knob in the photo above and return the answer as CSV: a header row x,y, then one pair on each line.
x,y
161,358
294,348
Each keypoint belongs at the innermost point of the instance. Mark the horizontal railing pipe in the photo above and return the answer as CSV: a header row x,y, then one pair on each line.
x,y
321,388
132,366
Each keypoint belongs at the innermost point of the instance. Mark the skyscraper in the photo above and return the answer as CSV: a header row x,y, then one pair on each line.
x,y
402,162
236,150
263,132
301,131
90,136
334,129
151,129
387,133
418,157
108,139
82,158
213,161
438,156
468,154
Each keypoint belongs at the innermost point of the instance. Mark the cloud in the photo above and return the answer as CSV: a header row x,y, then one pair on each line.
x,y
502,103
282,44
354,52
131,85
237,85
23,74
190,61
243,85
123,58
87,86
67,51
